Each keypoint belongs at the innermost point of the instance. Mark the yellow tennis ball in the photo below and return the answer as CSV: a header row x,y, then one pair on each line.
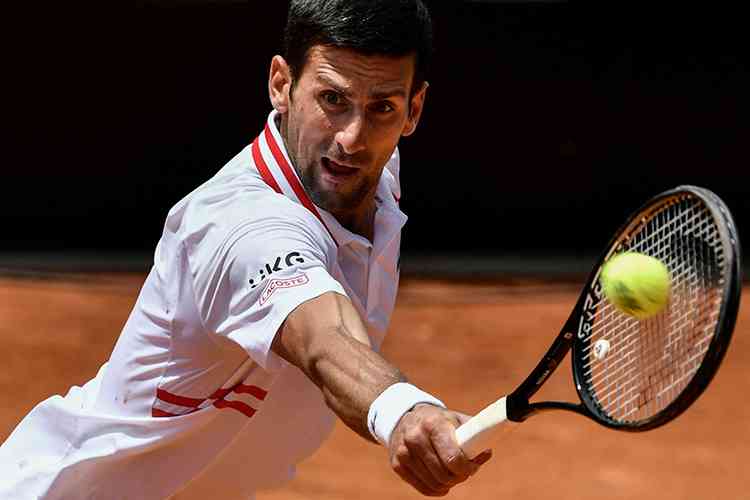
x,y
636,284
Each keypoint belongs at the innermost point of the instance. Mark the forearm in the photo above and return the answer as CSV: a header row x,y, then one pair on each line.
x,y
351,376
336,355
326,339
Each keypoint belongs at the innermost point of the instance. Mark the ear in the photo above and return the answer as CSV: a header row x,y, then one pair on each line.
x,y
279,84
415,110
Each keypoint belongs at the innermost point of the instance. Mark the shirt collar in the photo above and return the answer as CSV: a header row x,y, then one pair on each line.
x,y
272,161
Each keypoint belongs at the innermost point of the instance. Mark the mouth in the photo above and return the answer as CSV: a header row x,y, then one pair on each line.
x,y
337,171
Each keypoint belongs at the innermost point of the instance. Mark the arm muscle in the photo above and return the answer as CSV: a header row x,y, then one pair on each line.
x,y
326,339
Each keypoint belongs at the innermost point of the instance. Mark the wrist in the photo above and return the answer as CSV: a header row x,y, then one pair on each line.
x,y
388,408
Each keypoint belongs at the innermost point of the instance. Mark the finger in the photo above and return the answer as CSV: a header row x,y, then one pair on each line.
x,y
407,473
451,454
428,466
483,457
461,418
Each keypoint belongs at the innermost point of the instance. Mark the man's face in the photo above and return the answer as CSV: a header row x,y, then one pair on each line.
x,y
343,120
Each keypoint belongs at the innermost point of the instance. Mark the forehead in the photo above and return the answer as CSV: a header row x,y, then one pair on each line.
x,y
353,69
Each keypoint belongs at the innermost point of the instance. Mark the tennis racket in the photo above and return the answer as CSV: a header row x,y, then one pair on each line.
x,y
655,368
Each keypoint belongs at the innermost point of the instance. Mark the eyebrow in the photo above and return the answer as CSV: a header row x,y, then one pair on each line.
x,y
377,95
388,93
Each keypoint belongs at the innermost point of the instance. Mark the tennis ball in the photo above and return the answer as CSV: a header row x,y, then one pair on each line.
x,y
636,284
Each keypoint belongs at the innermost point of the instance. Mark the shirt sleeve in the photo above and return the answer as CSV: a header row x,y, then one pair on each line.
x,y
247,285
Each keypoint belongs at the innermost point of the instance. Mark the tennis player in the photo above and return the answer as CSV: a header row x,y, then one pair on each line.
x,y
271,291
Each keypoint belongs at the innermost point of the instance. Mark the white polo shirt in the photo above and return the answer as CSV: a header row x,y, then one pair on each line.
x,y
193,402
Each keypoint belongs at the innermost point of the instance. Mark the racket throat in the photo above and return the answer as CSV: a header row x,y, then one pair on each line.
x,y
519,409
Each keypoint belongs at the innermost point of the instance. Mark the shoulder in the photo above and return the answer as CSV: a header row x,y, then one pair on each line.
x,y
236,201
253,225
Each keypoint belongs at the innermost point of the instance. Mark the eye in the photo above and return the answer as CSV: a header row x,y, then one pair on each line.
x,y
333,98
383,107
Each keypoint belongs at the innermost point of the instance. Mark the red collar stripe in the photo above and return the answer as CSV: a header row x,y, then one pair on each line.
x,y
291,178
265,173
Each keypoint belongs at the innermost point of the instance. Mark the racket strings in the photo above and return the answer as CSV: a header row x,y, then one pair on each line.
x,y
650,362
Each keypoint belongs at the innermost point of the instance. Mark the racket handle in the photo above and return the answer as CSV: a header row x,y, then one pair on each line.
x,y
476,434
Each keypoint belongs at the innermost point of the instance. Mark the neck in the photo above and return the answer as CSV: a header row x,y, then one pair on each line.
x,y
361,221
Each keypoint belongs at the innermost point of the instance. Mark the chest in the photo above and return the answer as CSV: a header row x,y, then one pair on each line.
x,y
370,278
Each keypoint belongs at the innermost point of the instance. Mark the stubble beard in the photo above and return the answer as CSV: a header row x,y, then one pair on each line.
x,y
331,200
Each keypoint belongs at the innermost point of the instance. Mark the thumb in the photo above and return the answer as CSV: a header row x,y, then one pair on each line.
x,y
483,457
462,418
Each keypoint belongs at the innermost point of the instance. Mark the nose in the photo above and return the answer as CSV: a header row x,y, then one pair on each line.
x,y
351,137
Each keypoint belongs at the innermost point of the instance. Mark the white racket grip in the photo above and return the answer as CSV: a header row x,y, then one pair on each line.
x,y
477,433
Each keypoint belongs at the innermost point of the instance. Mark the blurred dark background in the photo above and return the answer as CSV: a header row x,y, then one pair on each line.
x,y
546,123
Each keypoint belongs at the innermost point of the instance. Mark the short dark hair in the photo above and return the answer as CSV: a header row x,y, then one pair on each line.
x,y
371,27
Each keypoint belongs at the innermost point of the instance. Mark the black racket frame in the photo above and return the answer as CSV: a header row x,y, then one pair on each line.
x,y
518,406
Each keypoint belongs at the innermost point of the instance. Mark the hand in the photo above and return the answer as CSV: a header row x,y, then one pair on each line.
x,y
424,452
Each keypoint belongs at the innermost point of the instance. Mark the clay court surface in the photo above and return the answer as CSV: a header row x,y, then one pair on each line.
x,y
466,343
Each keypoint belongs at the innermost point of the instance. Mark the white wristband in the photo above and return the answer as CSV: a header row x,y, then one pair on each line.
x,y
388,408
